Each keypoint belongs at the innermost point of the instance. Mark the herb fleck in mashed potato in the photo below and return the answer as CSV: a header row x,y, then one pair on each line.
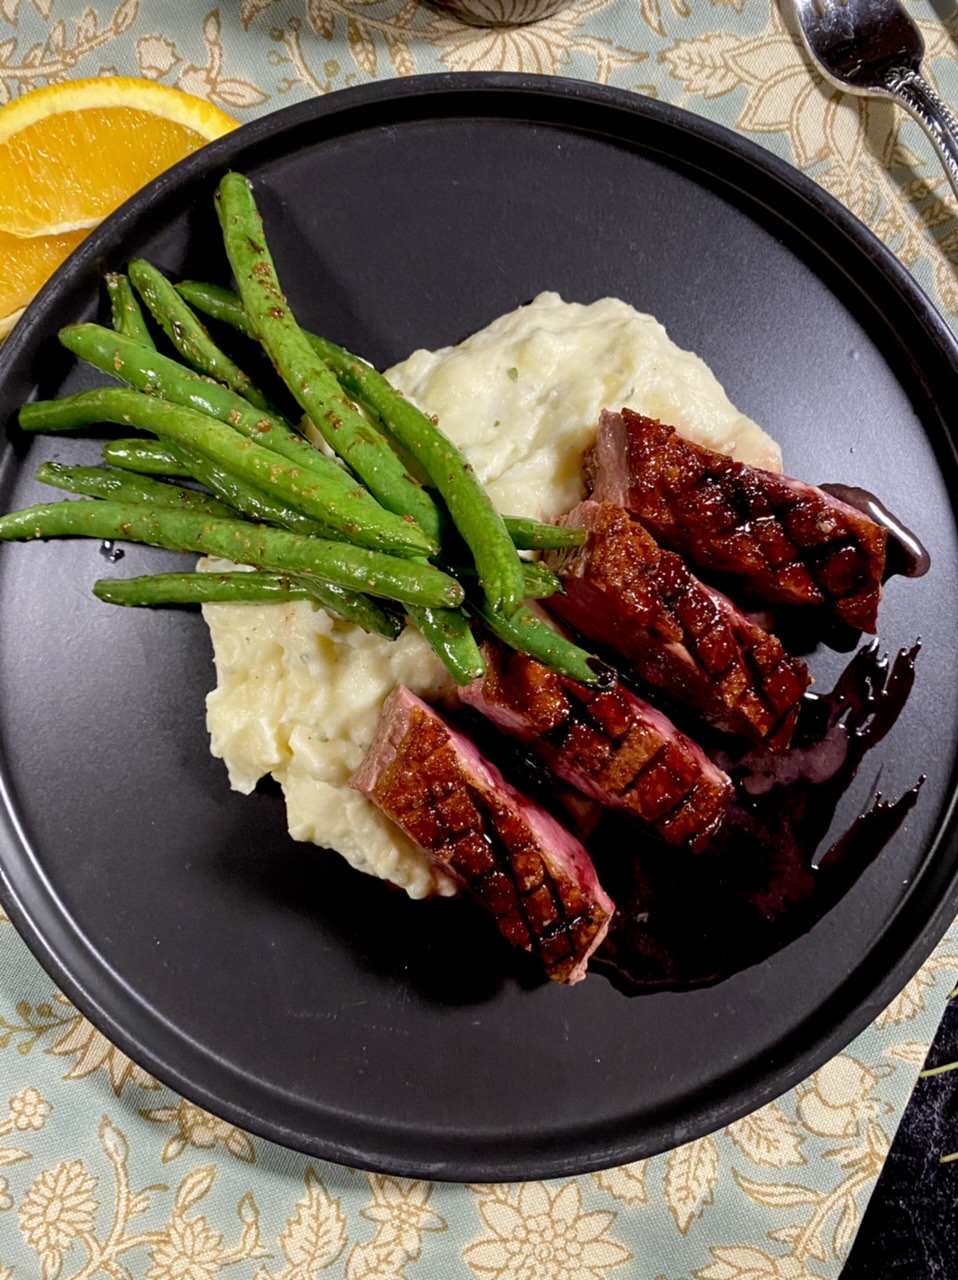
x,y
299,693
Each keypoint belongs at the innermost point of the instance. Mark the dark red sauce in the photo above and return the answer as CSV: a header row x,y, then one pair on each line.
x,y
905,555
686,919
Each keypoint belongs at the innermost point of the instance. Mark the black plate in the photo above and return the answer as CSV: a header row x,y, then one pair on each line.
x,y
265,980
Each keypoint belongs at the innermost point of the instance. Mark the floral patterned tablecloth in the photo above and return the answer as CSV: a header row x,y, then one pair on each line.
x,y
103,1171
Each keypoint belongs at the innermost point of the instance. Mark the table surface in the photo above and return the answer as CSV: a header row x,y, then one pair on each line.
x,y
104,1171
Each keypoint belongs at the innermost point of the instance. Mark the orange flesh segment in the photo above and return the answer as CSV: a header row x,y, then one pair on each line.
x,y
25,265
70,170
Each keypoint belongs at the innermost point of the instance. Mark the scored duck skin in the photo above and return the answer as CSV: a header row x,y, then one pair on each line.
x,y
623,590
535,878
607,743
788,542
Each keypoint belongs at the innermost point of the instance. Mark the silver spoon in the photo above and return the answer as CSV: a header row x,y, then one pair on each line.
x,y
872,47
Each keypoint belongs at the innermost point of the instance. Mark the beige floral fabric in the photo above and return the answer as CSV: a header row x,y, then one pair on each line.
x,y
103,1171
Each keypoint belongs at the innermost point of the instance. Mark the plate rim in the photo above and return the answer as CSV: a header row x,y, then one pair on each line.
x,y
612,1149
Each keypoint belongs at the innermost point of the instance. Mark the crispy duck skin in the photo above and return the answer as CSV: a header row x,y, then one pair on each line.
x,y
788,542
606,743
535,878
623,590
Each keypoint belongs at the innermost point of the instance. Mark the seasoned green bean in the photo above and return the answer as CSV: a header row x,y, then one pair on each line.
x,y
360,446
199,588
471,509
450,636
538,582
242,587
528,633
354,607
354,568
250,502
160,376
533,535
306,491
126,313
153,457
124,486
219,304
225,305
188,334
147,457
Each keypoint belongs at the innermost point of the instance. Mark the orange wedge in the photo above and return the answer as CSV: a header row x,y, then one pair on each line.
x,y
71,153
24,266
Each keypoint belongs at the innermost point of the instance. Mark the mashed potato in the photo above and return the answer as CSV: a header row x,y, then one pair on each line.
x,y
299,693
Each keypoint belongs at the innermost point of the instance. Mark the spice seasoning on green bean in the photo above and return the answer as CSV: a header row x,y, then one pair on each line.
x,y
471,509
360,446
153,457
159,376
188,334
451,639
97,482
250,502
355,568
219,304
242,587
147,457
235,497
126,313
533,535
306,491
223,304
529,634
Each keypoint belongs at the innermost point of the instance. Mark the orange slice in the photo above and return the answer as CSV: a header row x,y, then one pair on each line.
x,y
24,266
71,152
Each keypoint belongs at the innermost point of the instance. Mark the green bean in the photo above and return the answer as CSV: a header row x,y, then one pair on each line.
x,y
354,568
232,496
158,375
187,333
246,588
307,491
199,588
219,304
250,502
97,482
470,507
533,535
355,607
147,457
222,304
315,388
528,633
538,582
450,636
152,457
126,312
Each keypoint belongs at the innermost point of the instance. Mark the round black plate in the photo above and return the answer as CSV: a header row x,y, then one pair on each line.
x,y
265,980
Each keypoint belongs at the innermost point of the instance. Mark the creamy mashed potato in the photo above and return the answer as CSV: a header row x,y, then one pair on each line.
x,y
299,693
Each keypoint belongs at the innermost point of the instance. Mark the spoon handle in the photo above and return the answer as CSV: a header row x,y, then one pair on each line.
x,y
915,93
